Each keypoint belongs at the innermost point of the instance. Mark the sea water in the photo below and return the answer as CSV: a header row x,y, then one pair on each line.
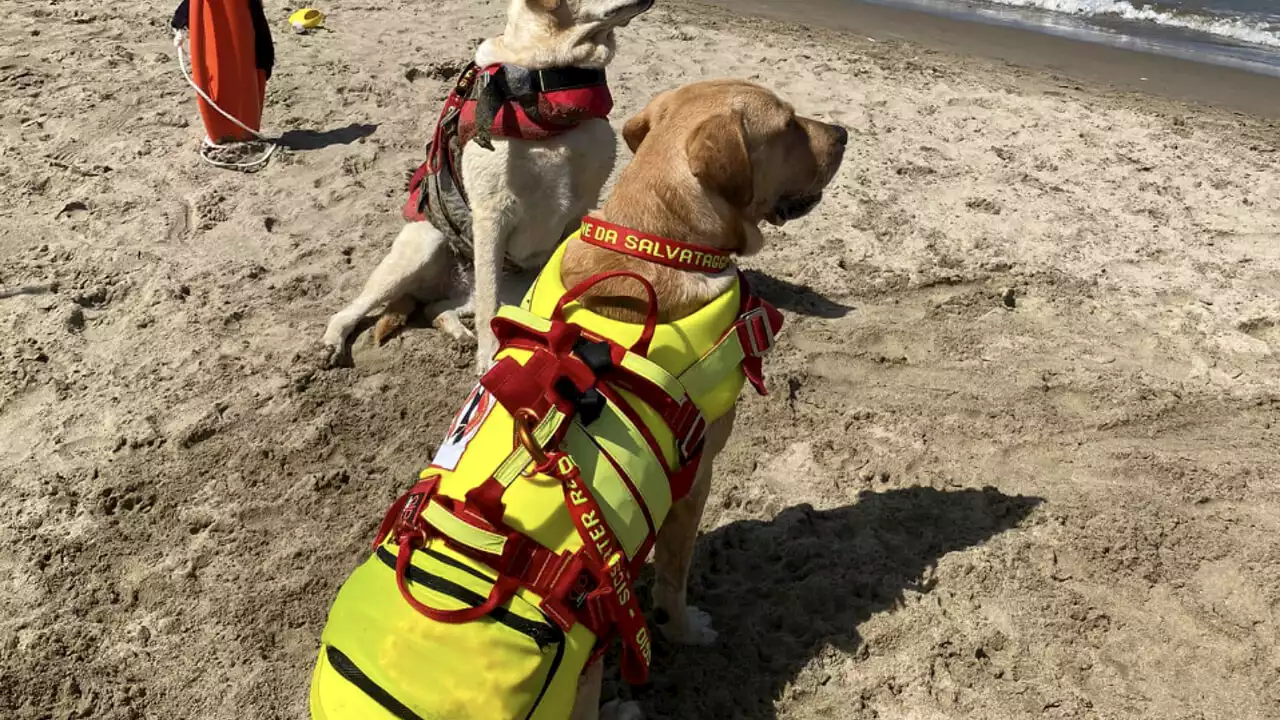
x,y
1238,33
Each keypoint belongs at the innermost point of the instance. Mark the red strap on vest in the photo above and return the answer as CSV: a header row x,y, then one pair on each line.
x,y
404,522
607,563
641,345
653,248
757,326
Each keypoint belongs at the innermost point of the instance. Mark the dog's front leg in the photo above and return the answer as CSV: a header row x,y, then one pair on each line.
x,y
679,621
417,258
489,227
586,706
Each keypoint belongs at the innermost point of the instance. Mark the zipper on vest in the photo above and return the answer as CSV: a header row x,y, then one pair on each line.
x,y
355,676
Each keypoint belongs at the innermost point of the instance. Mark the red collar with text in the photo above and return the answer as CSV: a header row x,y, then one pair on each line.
x,y
655,249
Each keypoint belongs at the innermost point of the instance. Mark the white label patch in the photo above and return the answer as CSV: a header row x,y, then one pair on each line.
x,y
474,410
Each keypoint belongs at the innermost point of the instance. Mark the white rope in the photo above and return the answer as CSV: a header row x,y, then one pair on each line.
x,y
178,37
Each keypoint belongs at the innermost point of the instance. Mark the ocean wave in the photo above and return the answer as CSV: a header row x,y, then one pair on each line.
x,y
1234,28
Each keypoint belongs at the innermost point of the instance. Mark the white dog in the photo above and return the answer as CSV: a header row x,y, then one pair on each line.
x,y
527,175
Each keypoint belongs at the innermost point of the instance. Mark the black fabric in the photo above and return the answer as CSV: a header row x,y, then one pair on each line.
x,y
182,16
567,78
263,49
489,97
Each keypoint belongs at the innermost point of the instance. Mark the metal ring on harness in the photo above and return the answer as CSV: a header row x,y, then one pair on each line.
x,y
523,421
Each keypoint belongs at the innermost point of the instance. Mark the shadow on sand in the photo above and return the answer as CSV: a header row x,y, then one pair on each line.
x,y
317,139
794,298
782,590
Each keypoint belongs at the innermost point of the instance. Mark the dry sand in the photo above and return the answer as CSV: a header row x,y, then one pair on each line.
x,y
1020,459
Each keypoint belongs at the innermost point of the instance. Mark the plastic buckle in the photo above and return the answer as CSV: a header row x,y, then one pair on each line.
x,y
759,334
691,427
597,355
567,598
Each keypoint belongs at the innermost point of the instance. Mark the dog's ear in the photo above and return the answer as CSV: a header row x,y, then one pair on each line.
x,y
635,129
718,157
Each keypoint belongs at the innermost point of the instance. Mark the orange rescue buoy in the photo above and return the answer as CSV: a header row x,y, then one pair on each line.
x,y
231,60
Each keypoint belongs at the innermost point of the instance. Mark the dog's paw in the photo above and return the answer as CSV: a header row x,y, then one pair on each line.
x,y
694,630
333,356
449,322
620,710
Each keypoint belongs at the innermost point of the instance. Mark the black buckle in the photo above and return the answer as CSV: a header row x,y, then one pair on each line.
x,y
567,78
588,404
596,355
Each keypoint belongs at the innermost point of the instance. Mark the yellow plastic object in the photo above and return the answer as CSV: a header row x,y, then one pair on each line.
x,y
306,19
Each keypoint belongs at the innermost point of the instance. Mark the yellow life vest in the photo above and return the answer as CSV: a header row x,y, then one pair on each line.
x,y
481,599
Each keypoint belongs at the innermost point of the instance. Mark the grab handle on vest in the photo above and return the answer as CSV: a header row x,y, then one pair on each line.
x,y
503,588
641,345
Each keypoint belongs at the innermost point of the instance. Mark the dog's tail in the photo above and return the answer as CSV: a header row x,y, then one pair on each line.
x,y
393,319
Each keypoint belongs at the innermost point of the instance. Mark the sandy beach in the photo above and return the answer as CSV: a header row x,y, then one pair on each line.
x,y
1021,457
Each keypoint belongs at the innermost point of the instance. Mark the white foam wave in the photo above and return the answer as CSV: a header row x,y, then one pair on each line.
x,y
1235,28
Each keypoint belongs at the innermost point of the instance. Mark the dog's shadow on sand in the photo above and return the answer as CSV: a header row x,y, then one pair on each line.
x,y
781,590
795,298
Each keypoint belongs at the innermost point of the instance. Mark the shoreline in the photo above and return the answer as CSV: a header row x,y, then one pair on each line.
x,y
1111,68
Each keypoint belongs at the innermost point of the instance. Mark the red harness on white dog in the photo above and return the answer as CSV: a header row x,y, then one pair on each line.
x,y
505,101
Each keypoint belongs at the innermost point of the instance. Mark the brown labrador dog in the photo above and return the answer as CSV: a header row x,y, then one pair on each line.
x,y
712,161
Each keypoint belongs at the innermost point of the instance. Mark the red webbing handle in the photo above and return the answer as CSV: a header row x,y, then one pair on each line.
x,y
502,591
641,345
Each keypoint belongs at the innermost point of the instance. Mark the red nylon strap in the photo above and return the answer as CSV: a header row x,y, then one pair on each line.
x,y
403,515
452,106
606,561
502,591
517,386
404,522
639,424
757,326
641,345
654,248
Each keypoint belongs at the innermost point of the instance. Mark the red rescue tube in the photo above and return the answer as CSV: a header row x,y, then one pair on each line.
x,y
224,65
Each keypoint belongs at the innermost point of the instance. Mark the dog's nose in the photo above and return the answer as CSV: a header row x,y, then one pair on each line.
x,y
842,135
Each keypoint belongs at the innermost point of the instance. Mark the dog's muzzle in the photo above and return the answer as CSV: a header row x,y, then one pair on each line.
x,y
790,208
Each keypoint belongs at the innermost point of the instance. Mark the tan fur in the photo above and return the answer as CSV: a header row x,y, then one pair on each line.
x,y
393,319
687,183
712,161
